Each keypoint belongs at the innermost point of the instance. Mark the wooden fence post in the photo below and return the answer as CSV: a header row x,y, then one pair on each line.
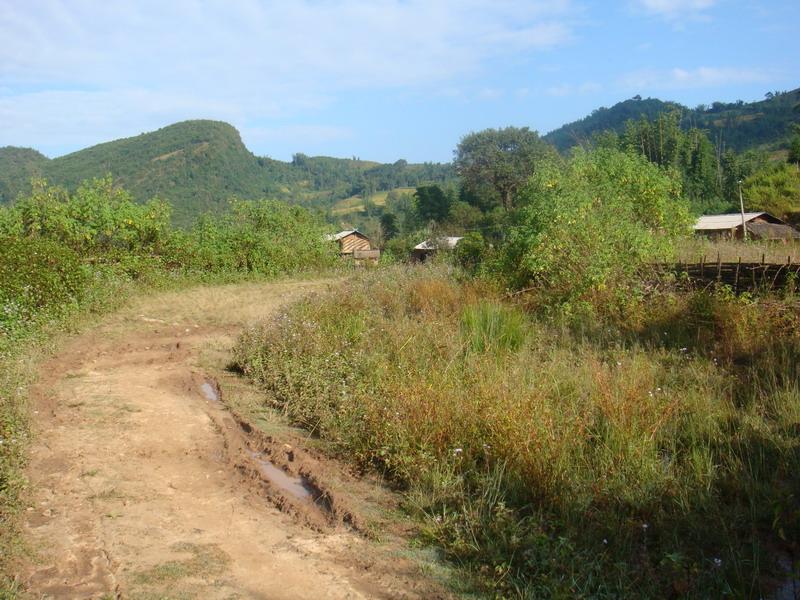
x,y
736,283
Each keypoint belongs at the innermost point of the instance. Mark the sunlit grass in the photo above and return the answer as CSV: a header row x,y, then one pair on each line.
x,y
604,459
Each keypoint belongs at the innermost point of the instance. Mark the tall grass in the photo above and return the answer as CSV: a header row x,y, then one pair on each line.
x,y
697,248
606,461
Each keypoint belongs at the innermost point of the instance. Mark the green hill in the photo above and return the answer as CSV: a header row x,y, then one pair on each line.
x,y
199,165
17,166
737,125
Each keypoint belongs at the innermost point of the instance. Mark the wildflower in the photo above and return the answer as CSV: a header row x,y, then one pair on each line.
x,y
457,451
645,526
717,562
605,541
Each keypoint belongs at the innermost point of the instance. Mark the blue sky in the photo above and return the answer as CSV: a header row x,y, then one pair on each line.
x,y
377,79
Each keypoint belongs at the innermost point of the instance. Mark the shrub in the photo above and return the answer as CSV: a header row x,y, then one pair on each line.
x,y
471,251
98,217
262,237
592,226
37,275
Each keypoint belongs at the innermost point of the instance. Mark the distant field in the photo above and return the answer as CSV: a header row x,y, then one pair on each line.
x,y
355,204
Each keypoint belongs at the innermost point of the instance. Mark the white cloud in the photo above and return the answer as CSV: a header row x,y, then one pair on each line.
x,y
676,9
700,77
569,89
139,63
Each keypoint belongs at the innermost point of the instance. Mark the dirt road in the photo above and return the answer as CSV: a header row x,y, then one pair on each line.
x,y
143,486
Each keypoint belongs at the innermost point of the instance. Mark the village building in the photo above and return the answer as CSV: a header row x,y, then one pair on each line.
x,y
350,240
429,247
760,226
354,244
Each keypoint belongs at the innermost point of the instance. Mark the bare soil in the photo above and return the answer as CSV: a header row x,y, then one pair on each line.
x,y
154,473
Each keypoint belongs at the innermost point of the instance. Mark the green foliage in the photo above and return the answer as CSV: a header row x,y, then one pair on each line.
x,y
17,167
432,203
794,151
736,125
708,182
495,163
37,276
98,217
264,237
775,189
471,252
197,166
389,226
590,227
492,327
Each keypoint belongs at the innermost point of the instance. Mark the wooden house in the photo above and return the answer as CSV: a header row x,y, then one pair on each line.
x,y
354,244
350,240
760,226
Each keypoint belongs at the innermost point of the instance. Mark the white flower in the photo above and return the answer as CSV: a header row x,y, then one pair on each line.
x,y
457,451
718,562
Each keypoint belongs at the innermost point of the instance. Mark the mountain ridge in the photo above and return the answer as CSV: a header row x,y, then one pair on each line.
x,y
197,165
736,125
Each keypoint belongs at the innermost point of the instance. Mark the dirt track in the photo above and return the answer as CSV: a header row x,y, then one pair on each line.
x,y
141,487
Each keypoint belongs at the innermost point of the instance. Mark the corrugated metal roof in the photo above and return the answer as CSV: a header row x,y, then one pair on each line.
x,y
725,221
335,237
773,231
447,243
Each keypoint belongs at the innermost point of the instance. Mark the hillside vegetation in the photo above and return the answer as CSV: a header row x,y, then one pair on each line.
x,y
199,165
565,420
736,126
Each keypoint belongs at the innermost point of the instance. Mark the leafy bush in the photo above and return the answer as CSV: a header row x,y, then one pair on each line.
x,y
592,226
263,237
37,276
471,252
98,217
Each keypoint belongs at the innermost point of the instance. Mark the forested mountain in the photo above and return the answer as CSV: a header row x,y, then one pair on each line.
x,y
17,166
198,165
736,125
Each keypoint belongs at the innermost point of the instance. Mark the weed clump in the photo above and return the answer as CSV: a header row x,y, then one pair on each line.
x,y
644,457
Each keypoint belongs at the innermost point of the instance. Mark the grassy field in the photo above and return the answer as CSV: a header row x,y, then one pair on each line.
x,y
355,204
694,249
652,456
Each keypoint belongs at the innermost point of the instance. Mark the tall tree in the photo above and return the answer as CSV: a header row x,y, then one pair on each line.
x,y
432,203
497,162
389,225
794,151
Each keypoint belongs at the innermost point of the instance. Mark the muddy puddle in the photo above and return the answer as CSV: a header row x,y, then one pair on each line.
x,y
298,494
299,487
210,391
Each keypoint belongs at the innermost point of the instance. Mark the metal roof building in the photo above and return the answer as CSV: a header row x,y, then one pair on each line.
x,y
760,226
